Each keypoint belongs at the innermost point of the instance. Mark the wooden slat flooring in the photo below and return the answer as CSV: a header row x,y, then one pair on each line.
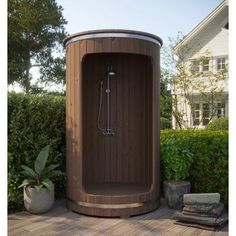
x,y
61,221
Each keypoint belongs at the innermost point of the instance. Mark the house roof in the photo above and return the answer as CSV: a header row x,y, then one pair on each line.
x,y
202,24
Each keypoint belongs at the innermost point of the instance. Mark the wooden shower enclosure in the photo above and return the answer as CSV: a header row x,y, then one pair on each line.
x,y
116,174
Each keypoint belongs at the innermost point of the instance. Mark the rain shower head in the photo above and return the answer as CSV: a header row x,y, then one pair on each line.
x,y
110,70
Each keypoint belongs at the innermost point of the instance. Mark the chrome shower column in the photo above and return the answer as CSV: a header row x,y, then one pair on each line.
x,y
108,130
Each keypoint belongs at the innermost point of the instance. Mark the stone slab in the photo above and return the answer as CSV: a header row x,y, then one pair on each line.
x,y
207,198
209,221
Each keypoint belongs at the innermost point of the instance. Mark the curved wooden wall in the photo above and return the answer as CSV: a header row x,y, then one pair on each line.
x,y
78,198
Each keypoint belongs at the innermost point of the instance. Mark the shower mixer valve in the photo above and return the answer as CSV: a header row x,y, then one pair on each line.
x,y
109,132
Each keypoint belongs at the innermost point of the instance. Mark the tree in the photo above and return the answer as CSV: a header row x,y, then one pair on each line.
x,y
35,35
165,101
167,72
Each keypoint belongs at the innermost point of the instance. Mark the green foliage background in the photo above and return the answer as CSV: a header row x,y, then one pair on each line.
x,y
209,169
35,121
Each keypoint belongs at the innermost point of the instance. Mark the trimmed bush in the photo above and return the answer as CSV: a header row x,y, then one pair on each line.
x,y
218,124
209,169
34,121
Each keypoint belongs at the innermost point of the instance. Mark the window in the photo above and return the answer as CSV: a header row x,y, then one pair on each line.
x,y
220,110
202,112
195,67
205,113
220,63
196,114
205,65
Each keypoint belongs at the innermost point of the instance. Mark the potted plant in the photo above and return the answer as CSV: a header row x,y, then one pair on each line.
x,y
176,163
38,188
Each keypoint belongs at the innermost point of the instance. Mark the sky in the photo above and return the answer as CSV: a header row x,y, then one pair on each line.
x,y
163,18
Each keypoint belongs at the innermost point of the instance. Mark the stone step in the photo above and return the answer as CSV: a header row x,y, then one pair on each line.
x,y
204,198
210,221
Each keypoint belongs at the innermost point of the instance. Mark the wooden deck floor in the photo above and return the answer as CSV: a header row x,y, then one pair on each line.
x,y
61,221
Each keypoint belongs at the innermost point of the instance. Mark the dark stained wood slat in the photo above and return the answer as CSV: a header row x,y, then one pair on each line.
x,y
79,107
113,115
72,118
125,125
68,121
78,153
101,140
93,87
119,118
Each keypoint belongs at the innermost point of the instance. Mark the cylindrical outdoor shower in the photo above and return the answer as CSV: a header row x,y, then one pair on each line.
x,y
112,122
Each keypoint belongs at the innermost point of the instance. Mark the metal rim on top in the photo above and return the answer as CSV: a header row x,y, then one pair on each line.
x,y
113,33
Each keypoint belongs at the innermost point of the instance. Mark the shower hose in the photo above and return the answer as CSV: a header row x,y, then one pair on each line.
x,y
100,108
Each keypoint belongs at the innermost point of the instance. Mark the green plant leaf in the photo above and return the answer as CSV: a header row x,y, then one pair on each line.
x,y
25,182
28,171
49,168
41,160
48,184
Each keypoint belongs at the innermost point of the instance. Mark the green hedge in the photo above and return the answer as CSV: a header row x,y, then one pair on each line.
x,y
34,121
37,120
218,124
209,170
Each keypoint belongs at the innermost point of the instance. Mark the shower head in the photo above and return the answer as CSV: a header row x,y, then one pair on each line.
x,y
111,73
110,70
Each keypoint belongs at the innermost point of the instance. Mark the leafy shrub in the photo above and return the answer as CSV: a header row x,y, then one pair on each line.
x,y
209,169
218,124
165,123
176,160
34,121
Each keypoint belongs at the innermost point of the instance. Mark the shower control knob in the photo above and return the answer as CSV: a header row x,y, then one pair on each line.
x,y
108,90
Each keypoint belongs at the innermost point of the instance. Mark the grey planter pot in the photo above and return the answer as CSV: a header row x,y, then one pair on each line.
x,y
174,191
38,202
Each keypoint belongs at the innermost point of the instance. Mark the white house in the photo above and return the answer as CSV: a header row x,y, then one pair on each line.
x,y
209,39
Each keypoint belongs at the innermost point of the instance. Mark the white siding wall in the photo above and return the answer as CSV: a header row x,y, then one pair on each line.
x,y
212,37
217,45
